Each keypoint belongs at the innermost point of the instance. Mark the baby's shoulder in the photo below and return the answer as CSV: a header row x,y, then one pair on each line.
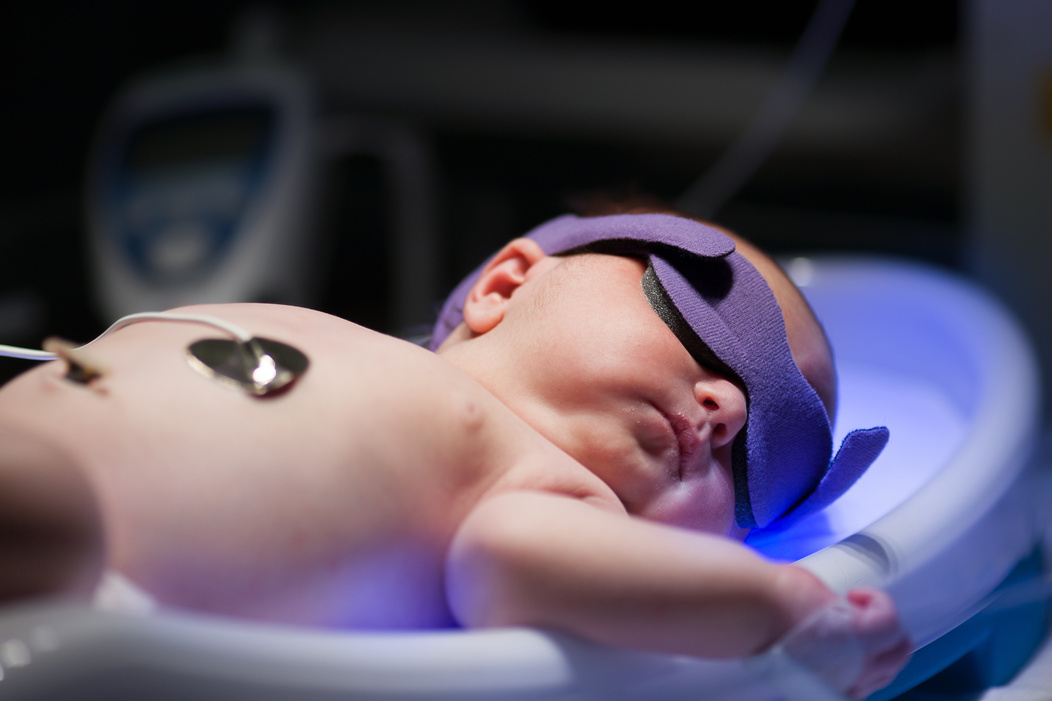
x,y
324,338
260,319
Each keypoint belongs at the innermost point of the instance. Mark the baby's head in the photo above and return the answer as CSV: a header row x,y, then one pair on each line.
x,y
713,410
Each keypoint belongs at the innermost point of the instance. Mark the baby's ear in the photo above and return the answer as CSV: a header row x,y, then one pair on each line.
x,y
506,272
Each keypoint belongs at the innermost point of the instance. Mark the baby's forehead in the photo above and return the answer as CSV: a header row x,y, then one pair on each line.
x,y
577,266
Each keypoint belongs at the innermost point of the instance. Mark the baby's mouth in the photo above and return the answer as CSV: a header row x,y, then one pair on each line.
x,y
687,442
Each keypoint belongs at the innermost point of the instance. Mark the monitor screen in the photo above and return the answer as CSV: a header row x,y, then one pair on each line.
x,y
200,138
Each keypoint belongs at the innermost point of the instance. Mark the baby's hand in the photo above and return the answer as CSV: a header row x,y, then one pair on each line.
x,y
855,645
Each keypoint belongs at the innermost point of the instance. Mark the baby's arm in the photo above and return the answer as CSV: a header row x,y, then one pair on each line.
x,y
50,527
541,559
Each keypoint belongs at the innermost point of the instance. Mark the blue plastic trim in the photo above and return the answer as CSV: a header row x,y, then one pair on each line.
x,y
987,650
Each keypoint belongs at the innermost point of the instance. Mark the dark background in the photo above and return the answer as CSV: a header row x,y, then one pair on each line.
x,y
63,61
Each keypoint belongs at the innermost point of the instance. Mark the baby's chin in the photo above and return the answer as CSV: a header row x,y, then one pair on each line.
x,y
738,533
713,518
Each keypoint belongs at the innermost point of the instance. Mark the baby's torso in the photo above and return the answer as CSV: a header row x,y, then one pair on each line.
x,y
330,503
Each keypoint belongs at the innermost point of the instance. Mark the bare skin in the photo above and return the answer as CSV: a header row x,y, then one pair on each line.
x,y
561,462
271,510
50,526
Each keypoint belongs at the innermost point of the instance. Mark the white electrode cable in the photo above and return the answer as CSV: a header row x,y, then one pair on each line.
x,y
710,192
25,353
236,331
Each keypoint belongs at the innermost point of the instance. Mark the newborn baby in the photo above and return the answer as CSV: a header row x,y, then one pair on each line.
x,y
592,437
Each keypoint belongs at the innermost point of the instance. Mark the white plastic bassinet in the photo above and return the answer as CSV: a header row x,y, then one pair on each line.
x,y
945,516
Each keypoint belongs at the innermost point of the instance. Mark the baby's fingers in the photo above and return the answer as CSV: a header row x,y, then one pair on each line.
x,y
876,619
882,670
886,645
855,645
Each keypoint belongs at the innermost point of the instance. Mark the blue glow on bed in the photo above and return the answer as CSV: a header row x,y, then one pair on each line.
x,y
926,429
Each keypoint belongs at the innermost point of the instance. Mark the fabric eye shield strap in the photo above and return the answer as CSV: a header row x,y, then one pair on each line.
x,y
726,315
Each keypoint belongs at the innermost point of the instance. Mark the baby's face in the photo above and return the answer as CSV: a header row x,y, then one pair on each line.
x,y
600,374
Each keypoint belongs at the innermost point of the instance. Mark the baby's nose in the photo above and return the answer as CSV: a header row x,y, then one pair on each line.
x,y
724,408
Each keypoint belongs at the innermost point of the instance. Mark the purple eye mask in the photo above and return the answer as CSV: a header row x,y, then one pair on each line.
x,y
725,314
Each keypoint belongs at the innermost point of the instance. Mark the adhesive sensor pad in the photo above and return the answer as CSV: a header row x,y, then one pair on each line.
x,y
259,366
